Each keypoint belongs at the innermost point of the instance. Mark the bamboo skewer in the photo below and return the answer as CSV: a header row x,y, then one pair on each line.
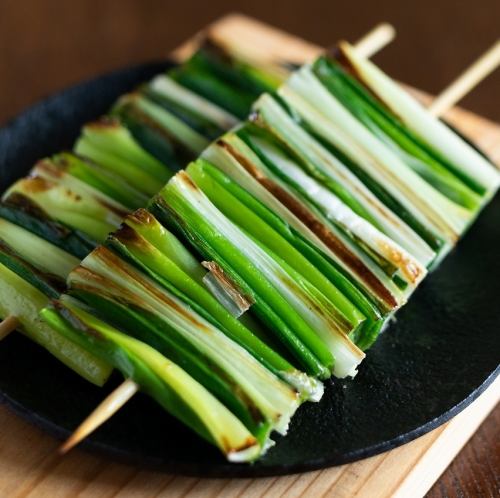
x,y
123,393
8,325
376,39
372,42
473,75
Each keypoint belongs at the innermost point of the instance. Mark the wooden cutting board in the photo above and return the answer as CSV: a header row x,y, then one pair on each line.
x,y
30,466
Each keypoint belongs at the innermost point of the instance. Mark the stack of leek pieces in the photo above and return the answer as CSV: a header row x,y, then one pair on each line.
x,y
316,218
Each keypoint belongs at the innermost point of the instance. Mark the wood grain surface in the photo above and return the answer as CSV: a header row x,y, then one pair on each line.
x,y
29,465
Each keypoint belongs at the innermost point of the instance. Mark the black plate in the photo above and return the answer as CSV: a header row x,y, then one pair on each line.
x,y
438,356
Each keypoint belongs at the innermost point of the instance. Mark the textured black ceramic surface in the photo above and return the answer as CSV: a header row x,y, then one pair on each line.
x,y
438,356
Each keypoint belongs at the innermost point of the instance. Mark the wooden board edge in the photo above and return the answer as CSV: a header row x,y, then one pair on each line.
x,y
449,443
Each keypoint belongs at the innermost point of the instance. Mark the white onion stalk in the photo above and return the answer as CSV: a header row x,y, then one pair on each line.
x,y
275,399
313,152
409,269
303,91
418,119
77,209
301,296
194,141
166,86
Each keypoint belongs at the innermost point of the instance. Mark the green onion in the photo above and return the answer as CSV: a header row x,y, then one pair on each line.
x,y
159,377
230,66
224,79
331,172
24,301
111,145
148,227
40,224
165,121
36,251
273,284
166,88
305,93
52,172
112,185
213,182
376,252
465,162
49,284
272,200
393,133
145,242
69,204
259,398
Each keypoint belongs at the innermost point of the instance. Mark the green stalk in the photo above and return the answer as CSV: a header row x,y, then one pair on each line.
x,y
262,396
213,183
231,153
276,204
378,253
263,309
74,207
166,121
19,298
226,65
271,280
465,162
49,284
162,379
112,185
161,265
41,225
36,251
379,120
304,92
146,327
52,172
112,146
330,171
70,241
222,93
145,224
166,88
148,227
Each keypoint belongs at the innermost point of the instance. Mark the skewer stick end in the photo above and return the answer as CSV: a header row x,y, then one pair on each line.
x,y
376,39
8,325
472,76
111,404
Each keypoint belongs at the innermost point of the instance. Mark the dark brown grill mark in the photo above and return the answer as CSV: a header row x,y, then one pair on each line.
x,y
243,301
49,167
76,322
318,228
106,122
113,261
142,217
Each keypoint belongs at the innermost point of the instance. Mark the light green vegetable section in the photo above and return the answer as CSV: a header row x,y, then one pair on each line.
x,y
19,299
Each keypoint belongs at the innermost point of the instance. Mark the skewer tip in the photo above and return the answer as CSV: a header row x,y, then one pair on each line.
x,y
111,404
376,39
470,78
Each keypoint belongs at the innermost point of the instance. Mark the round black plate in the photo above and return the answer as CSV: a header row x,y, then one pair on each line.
x,y
438,356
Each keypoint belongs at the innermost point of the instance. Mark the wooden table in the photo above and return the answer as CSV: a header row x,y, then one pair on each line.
x,y
29,465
